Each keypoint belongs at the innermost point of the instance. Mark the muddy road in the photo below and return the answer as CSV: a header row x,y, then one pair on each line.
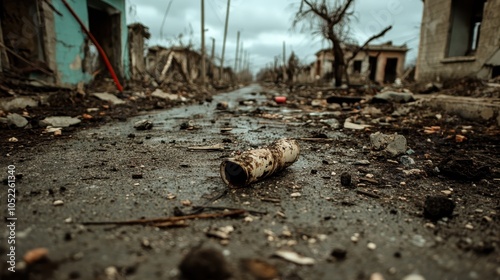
x,y
374,227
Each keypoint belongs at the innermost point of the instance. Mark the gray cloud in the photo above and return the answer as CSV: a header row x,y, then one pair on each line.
x,y
264,25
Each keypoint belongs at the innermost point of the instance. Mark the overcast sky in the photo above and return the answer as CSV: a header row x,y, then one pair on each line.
x,y
265,24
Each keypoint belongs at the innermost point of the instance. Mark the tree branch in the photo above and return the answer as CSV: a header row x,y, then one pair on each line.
x,y
315,10
338,17
357,50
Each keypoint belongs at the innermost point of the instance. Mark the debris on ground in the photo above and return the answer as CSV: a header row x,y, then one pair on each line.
x,y
204,263
294,257
437,207
63,121
111,98
143,125
253,165
392,145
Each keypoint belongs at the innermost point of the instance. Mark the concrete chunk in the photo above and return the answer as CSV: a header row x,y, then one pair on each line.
x,y
109,97
59,121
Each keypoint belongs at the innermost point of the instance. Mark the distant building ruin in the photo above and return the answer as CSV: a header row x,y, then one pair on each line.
x,y
459,38
381,63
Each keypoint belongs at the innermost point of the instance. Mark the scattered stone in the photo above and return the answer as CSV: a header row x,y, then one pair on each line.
x,y
58,203
204,263
35,255
143,125
167,96
392,96
339,253
413,276
18,103
413,172
432,87
332,123
371,246
59,121
17,120
376,276
13,139
345,179
294,257
437,207
362,162
407,161
463,169
393,144
350,125
221,232
222,106
137,176
109,98
259,269
296,194
469,226
372,111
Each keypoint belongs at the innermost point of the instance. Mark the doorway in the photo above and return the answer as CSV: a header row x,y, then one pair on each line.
x,y
105,25
372,60
390,72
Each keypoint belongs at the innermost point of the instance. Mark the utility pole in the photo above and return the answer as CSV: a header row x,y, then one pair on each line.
x,y
284,61
203,70
237,49
212,56
241,57
224,43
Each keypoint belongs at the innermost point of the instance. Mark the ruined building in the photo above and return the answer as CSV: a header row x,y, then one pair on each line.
x,y
43,41
381,63
459,38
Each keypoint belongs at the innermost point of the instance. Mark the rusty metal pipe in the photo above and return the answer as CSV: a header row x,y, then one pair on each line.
x,y
253,165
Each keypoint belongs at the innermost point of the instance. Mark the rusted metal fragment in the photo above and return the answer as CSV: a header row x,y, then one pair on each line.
x,y
253,165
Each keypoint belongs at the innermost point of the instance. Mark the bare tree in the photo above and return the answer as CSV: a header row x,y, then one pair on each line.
x,y
330,19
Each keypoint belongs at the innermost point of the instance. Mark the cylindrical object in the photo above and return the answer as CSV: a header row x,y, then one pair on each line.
x,y
280,99
253,165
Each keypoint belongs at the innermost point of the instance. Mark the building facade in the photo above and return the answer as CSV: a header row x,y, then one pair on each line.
x,y
459,38
377,63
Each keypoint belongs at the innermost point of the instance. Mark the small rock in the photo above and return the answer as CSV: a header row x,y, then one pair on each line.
x,y
35,255
437,207
137,176
18,103
13,139
260,269
17,120
414,276
339,253
362,162
332,123
58,203
469,226
204,263
407,161
296,194
222,106
143,125
109,97
377,276
392,96
371,246
59,121
345,179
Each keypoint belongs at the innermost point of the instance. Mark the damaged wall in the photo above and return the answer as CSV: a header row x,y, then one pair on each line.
x,y
459,39
71,41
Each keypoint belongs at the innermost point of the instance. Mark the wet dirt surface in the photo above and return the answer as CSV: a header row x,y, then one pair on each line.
x,y
376,224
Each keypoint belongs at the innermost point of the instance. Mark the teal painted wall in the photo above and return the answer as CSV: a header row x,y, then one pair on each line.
x,y
70,39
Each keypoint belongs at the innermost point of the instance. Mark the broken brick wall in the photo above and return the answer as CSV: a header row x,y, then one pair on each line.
x,y
453,44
